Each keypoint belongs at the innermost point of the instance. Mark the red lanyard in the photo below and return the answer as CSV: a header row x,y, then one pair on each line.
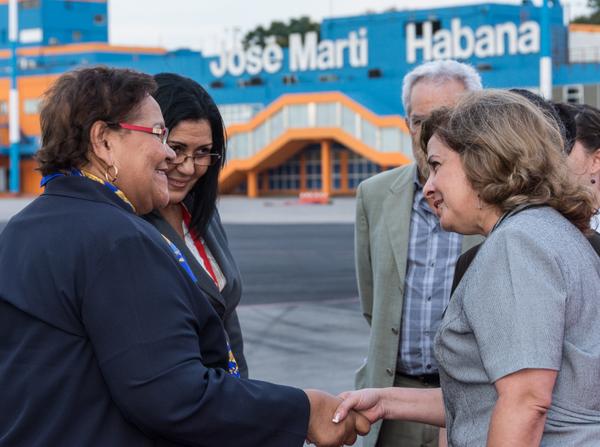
x,y
187,218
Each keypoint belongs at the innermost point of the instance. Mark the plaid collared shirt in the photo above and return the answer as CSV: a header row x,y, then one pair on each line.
x,y
432,255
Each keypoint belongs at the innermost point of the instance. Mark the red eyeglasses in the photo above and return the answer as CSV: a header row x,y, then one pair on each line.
x,y
161,132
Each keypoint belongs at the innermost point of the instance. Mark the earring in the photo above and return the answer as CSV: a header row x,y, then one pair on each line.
x,y
479,205
593,180
111,178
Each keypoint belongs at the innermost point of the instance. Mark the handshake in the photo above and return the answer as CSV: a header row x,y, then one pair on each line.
x,y
333,422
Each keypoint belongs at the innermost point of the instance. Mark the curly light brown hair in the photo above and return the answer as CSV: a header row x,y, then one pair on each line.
x,y
511,153
76,101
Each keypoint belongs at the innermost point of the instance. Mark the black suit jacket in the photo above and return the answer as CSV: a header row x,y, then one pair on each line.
x,y
225,301
106,341
464,261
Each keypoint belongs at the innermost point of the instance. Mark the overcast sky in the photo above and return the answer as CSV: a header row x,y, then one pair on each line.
x,y
207,24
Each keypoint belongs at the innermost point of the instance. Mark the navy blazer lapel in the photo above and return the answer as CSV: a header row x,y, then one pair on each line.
x,y
215,243
204,280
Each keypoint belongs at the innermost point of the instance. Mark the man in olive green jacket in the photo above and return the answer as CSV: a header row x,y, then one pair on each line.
x,y
396,233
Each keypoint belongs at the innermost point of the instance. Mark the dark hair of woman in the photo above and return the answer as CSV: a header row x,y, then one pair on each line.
x,y
183,99
75,102
588,127
561,115
566,113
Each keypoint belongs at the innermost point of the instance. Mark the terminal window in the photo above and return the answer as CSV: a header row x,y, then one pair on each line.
x,y
32,106
336,164
573,94
239,113
436,25
313,168
285,177
360,169
99,19
29,4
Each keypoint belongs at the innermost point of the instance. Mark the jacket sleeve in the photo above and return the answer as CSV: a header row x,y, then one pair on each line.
x,y
515,304
153,335
362,253
234,331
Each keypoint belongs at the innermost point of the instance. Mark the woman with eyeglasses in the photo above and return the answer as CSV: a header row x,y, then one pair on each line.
x,y
105,339
191,220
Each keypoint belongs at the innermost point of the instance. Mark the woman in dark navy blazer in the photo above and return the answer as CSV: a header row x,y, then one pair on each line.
x,y
105,339
191,220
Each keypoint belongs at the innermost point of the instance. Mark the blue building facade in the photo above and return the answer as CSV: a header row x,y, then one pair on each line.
x,y
320,115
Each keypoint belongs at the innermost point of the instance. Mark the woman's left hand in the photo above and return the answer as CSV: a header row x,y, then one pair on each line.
x,y
369,402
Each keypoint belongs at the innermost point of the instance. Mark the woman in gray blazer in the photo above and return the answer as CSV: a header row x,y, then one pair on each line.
x,y
191,220
518,344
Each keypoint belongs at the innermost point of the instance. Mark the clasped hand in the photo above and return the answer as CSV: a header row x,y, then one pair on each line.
x,y
323,431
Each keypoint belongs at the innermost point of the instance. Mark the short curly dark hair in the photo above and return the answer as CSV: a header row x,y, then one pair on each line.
x,y
76,101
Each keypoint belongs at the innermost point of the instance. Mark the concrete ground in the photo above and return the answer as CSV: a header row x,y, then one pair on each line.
x,y
300,312
294,262
308,345
282,210
10,206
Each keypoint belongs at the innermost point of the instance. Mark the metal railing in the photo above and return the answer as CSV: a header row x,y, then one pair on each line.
x,y
584,54
243,145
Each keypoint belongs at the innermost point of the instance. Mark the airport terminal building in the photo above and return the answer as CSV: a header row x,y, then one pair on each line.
x,y
322,114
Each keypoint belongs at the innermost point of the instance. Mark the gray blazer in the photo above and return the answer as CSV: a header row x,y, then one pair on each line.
x,y
383,210
528,300
226,301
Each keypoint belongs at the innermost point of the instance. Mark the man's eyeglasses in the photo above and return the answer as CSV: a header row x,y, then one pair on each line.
x,y
415,121
162,133
199,159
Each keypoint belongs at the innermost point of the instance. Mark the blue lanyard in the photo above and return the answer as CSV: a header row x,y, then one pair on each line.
x,y
180,259
232,367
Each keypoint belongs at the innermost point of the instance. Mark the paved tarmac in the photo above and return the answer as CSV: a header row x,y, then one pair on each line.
x,y
282,210
300,313
309,345
294,262
240,210
9,207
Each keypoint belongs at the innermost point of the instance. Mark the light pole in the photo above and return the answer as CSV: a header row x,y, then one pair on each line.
x,y
13,98
545,52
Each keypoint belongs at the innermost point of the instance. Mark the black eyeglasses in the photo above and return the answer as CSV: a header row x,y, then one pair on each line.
x,y
199,159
